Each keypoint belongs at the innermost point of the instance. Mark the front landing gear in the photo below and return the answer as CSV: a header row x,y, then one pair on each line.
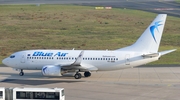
x,y
77,75
21,73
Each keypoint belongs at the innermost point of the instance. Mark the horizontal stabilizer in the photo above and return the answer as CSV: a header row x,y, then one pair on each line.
x,y
166,52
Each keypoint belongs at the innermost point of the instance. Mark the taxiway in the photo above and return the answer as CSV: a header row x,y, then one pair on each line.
x,y
142,83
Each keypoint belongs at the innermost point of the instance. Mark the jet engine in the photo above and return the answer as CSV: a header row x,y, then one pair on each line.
x,y
51,70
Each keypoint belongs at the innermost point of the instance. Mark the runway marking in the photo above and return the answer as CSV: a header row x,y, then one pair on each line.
x,y
157,75
139,74
120,75
174,73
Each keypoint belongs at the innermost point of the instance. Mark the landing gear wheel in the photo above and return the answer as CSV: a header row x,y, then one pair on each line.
x,y
87,74
21,73
77,76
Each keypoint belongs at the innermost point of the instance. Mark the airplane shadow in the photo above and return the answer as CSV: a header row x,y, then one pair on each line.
x,y
38,82
36,78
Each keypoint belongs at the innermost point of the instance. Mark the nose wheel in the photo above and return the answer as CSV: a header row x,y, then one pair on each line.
x,y
21,73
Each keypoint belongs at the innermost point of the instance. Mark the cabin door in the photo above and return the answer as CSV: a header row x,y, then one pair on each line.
x,y
23,57
127,61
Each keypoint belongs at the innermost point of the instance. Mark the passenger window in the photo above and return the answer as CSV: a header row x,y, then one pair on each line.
x,y
12,56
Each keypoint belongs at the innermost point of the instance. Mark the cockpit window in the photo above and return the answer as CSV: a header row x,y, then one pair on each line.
x,y
12,56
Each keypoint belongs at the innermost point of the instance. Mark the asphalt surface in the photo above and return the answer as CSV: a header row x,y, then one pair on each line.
x,y
144,83
169,7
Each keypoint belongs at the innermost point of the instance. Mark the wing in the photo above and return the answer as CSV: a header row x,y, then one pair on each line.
x,y
77,64
78,60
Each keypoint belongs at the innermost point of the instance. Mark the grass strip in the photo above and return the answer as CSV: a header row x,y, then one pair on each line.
x,y
26,27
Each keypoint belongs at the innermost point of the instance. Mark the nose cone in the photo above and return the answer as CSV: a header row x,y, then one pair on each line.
x,y
5,61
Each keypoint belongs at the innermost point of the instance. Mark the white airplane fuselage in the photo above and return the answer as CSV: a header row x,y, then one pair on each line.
x,y
103,60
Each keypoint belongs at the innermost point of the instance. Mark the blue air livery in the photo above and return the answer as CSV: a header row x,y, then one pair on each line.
x,y
61,62
40,53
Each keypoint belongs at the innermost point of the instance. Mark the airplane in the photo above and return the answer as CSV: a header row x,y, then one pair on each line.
x,y
60,62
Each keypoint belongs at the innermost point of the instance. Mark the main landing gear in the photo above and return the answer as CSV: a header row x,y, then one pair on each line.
x,y
87,74
21,73
78,75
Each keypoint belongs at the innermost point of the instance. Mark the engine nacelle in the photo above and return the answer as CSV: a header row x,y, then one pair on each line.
x,y
51,70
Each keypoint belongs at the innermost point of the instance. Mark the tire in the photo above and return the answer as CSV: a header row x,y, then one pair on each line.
x,y
21,73
77,76
87,74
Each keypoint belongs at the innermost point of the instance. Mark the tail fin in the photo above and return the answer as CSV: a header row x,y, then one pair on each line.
x,y
149,41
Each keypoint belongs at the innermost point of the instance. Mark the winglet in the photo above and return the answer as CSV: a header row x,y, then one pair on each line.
x,y
79,59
